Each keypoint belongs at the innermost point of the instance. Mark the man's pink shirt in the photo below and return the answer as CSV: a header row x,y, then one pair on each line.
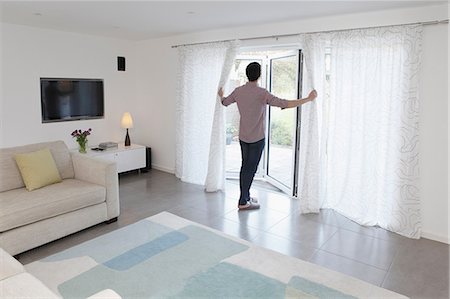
x,y
251,101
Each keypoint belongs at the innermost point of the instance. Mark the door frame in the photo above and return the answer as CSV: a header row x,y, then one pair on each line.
x,y
293,190
263,167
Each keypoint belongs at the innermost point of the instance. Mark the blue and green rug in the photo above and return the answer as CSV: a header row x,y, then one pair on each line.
x,y
166,256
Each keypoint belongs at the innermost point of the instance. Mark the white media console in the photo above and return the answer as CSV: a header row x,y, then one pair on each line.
x,y
127,157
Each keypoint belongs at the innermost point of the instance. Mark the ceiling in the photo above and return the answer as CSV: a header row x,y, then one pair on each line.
x,y
139,20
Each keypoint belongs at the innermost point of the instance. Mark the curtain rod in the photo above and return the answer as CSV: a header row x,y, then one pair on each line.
x,y
325,31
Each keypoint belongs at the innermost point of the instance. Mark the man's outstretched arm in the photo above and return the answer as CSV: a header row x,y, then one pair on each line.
x,y
295,103
226,100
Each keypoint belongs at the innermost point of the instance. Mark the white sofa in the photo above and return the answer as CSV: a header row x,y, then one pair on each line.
x,y
15,282
88,195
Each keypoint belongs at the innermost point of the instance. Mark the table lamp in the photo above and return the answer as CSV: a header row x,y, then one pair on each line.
x,y
127,122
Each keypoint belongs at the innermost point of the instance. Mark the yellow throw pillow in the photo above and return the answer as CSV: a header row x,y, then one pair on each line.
x,y
38,169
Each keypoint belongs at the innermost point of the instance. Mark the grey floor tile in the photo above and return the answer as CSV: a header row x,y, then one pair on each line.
x,y
193,214
276,201
420,270
373,231
284,246
350,267
261,219
326,216
217,202
233,192
331,217
371,251
233,228
298,228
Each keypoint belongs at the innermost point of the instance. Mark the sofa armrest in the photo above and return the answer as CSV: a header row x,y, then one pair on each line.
x,y
9,266
25,285
101,172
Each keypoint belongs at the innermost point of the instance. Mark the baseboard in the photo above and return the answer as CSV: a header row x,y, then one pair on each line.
x,y
435,237
162,168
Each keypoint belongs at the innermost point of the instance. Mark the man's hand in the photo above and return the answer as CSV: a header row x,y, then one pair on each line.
x,y
220,92
312,95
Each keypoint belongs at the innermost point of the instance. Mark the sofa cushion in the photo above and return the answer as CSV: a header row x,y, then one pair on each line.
x,y
10,177
20,207
38,169
24,285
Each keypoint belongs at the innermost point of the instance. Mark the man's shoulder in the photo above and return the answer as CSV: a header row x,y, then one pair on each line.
x,y
251,87
261,89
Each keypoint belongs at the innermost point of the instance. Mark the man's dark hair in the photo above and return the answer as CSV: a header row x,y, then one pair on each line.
x,y
253,71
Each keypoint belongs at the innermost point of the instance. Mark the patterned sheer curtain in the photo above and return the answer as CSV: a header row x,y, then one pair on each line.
x,y
365,161
311,148
200,120
215,177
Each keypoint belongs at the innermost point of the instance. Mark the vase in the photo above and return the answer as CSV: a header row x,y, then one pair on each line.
x,y
82,148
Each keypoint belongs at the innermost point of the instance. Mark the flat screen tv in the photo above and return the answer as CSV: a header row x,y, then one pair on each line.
x,y
71,99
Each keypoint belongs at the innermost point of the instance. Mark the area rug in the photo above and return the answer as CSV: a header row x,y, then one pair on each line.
x,y
165,256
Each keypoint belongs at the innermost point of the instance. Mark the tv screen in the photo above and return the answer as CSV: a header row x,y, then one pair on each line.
x,y
71,99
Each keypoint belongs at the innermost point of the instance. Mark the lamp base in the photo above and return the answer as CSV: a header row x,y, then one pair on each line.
x,y
127,139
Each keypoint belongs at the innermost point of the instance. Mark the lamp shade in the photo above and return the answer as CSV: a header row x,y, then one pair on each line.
x,y
127,121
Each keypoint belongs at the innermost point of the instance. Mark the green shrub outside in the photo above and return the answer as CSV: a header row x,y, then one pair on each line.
x,y
280,132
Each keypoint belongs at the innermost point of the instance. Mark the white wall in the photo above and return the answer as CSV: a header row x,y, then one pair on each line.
x,y
156,83
30,53
448,131
434,132
157,91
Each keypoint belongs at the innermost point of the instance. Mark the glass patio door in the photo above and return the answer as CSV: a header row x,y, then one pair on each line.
x,y
283,125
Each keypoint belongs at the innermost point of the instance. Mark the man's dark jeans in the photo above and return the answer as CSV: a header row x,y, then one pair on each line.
x,y
251,154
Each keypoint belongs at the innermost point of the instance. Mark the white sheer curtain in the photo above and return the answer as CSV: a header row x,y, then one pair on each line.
x,y
311,177
200,121
215,177
367,126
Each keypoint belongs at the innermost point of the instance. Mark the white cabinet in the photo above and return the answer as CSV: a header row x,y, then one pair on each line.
x,y
127,157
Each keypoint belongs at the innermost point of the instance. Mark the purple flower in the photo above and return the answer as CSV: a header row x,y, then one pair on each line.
x,y
81,135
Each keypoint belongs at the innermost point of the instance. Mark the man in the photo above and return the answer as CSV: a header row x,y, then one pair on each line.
x,y
252,100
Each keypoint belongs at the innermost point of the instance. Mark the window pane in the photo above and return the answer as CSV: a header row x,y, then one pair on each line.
x,y
282,124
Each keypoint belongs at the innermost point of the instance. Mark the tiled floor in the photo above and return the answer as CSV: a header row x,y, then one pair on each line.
x,y
416,268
